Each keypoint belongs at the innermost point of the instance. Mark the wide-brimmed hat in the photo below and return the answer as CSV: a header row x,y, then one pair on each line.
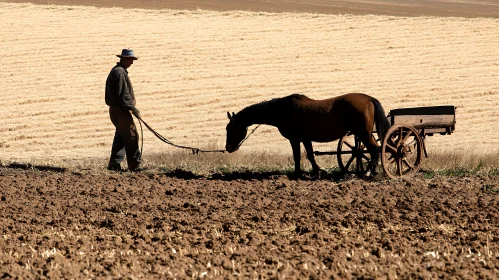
x,y
127,53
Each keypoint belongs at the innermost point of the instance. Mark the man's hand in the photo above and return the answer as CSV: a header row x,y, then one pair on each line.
x,y
136,112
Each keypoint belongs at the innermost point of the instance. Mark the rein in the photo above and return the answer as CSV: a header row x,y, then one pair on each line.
x,y
247,136
162,138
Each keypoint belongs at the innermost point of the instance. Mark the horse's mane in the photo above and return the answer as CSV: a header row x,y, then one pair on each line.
x,y
261,107
267,108
265,105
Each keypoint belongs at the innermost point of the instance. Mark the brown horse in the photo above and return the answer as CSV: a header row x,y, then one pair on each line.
x,y
301,119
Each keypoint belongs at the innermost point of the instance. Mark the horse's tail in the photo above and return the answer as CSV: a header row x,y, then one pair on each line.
x,y
382,123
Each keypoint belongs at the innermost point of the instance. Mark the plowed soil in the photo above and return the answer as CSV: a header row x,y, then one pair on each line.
x,y
57,223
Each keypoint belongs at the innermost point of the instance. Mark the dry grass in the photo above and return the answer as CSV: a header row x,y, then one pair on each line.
x,y
461,163
196,65
208,164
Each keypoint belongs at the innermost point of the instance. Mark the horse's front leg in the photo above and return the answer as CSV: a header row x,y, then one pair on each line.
x,y
295,145
310,155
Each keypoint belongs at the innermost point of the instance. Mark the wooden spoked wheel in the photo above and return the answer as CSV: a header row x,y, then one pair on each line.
x,y
353,157
401,151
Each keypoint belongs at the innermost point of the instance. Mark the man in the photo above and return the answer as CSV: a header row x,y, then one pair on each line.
x,y
121,101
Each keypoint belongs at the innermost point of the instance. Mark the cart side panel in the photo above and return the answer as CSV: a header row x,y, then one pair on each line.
x,y
435,119
424,121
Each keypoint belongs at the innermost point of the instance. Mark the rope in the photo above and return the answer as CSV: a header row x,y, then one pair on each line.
x,y
141,138
162,138
247,136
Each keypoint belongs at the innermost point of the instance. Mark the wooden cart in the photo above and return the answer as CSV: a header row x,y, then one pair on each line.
x,y
404,144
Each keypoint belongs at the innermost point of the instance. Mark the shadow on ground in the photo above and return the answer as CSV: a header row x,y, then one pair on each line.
x,y
330,175
25,166
333,175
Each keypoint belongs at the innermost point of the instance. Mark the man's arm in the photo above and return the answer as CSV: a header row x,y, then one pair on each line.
x,y
125,98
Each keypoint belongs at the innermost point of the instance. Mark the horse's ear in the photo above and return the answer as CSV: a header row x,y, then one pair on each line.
x,y
229,116
233,115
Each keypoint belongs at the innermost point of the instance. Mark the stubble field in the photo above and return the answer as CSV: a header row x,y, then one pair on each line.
x,y
240,216
196,65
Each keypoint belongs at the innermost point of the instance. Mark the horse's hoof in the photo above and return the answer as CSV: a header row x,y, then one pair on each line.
x,y
296,176
370,175
316,175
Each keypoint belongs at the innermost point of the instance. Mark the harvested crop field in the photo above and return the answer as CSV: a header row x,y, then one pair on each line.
x,y
195,65
166,225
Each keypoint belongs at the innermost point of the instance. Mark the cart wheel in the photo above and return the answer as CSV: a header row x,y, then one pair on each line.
x,y
401,151
353,157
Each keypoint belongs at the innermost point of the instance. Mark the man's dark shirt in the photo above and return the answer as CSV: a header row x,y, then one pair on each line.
x,y
119,90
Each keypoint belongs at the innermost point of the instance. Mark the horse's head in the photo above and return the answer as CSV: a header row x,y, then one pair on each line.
x,y
235,134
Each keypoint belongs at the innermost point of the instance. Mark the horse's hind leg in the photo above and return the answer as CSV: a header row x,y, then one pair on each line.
x,y
373,149
311,158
